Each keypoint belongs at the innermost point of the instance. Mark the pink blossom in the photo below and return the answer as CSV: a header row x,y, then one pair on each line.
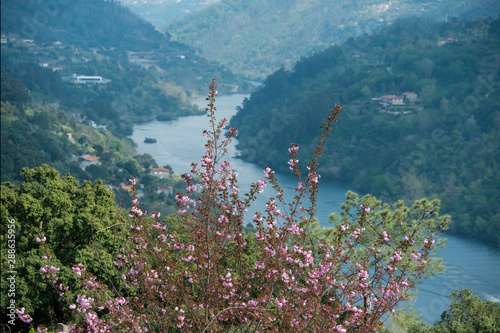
x,y
40,240
24,317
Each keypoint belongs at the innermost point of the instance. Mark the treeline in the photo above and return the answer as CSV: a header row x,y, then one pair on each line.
x,y
444,144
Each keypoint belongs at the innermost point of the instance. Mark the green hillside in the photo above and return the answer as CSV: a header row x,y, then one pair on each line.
x,y
257,37
112,31
444,144
91,23
163,12
49,117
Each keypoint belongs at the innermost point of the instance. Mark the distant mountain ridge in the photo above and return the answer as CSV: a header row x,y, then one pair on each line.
x,y
257,37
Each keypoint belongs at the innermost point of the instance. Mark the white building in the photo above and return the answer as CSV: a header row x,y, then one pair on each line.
x,y
392,99
160,172
410,97
84,79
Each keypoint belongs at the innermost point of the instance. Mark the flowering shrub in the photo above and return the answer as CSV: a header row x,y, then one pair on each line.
x,y
288,277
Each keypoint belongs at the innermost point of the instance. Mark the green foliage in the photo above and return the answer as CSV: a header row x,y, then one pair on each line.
x,y
134,92
444,147
468,314
293,269
78,223
272,34
40,136
13,91
419,222
29,141
79,22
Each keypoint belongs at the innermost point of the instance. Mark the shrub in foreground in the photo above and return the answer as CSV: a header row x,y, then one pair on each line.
x,y
296,280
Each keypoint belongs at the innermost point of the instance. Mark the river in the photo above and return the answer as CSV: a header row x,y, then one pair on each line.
x,y
469,263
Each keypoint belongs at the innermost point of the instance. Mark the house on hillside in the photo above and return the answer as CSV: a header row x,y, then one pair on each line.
x,y
84,79
110,187
443,41
125,187
397,104
392,99
160,172
409,97
71,138
87,160
164,189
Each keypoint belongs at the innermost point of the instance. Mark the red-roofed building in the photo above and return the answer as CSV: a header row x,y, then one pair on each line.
x,y
125,187
164,189
160,172
87,160
392,99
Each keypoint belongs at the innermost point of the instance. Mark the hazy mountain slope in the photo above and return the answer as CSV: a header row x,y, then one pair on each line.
x,y
91,23
257,37
444,144
163,12
108,25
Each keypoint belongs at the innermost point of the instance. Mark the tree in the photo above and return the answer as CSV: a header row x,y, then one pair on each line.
x,y
199,276
413,226
14,91
467,313
69,216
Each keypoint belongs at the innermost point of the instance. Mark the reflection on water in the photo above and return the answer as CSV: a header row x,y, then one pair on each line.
x,y
469,263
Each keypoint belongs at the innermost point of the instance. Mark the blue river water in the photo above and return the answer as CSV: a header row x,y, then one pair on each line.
x,y
468,263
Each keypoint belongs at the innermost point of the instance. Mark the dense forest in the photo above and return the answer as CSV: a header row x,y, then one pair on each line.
x,y
92,23
31,137
443,144
145,74
48,118
161,13
274,33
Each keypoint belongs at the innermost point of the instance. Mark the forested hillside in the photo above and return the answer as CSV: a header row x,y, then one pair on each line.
x,y
257,37
443,142
91,23
48,117
163,12
106,34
